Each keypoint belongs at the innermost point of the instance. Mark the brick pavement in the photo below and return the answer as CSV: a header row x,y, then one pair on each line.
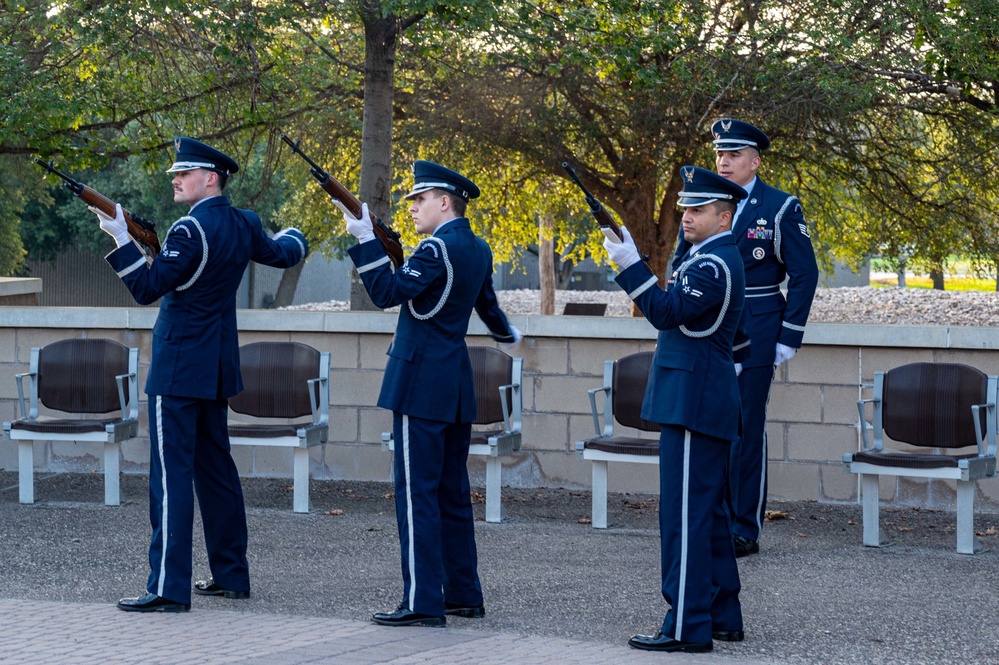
x,y
50,632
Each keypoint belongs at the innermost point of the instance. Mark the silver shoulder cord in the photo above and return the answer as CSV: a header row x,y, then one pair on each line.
x,y
204,250
728,294
447,287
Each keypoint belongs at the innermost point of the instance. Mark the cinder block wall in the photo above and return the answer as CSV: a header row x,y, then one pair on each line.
x,y
813,412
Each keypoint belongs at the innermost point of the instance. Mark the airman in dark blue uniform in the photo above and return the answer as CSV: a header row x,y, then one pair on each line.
x,y
694,394
428,387
773,239
193,371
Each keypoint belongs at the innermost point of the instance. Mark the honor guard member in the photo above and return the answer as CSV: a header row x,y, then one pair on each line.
x,y
773,239
694,394
193,371
429,389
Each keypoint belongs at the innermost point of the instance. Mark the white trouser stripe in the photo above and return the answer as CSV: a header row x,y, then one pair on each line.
x,y
164,503
763,467
683,535
411,554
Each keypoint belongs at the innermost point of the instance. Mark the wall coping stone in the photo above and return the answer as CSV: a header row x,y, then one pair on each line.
x,y
581,327
17,286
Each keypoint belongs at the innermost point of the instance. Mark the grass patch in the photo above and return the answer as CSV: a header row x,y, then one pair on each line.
x,y
950,283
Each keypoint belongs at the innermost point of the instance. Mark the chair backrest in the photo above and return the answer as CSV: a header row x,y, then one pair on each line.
x,y
631,376
929,404
585,308
491,368
275,379
78,375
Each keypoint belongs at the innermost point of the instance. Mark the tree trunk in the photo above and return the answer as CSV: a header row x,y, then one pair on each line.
x,y
546,263
380,34
289,282
937,276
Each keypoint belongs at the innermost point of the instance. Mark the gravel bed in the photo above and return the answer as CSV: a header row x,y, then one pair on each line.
x,y
863,305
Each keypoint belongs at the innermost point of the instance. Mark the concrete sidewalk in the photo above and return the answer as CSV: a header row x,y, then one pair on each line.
x,y
557,590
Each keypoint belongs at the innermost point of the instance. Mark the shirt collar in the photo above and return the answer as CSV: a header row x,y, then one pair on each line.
x,y
695,248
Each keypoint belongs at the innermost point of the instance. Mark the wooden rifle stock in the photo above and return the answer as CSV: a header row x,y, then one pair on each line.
x,y
388,237
599,212
141,229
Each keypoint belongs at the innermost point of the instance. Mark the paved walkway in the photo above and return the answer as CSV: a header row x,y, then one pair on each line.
x,y
45,632
557,590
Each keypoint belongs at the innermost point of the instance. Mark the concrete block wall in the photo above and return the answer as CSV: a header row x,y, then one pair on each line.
x,y
813,416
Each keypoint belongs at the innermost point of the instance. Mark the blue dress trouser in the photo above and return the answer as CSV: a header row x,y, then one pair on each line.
x,y
700,578
749,454
434,514
190,443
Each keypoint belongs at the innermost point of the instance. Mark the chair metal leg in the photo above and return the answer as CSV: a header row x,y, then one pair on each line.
x,y
494,471
965,517
869,494
301,484
599,512
26,471
112,485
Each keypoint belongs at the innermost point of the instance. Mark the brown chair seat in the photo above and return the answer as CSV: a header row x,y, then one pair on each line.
x,y
266,431
623,445
63,425
895,458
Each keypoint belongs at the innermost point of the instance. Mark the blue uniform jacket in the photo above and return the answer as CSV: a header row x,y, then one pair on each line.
x,y
428,374
195,350
774,242
692,382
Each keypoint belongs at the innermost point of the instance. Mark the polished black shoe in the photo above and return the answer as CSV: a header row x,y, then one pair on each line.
x,y
728,635
210,588
476,612
745,547
406,617
660,642
150,602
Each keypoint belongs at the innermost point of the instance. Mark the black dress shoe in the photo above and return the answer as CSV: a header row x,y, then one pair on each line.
x,y
210,588
150,602
728,635
660,642
476,612
745,547
405,617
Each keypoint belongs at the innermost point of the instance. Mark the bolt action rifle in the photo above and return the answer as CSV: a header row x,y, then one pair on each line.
x,y
332,186
610,228
141,230
606,222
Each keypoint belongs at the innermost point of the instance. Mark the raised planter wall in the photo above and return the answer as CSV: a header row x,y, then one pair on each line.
x,y
813,413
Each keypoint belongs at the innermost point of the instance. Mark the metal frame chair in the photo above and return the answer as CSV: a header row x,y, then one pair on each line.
x,y
499,398
624,386
927,405
77,376
286,381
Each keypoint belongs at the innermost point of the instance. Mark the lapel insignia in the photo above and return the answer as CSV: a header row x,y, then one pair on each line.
x,y
753,201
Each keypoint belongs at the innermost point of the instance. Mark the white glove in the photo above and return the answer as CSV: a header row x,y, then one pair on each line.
x,y
625,253
517,336
359,228
784,353
738,369
114,227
